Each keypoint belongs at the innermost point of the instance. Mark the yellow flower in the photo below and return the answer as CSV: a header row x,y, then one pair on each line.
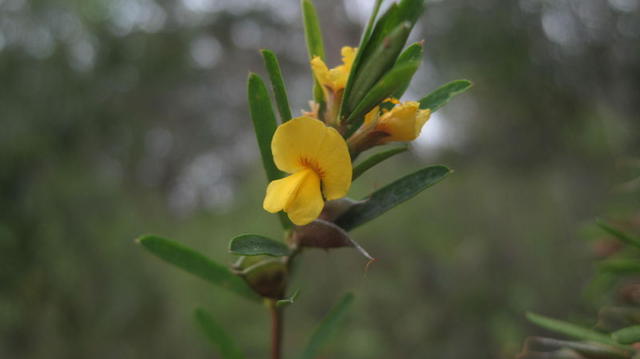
x,y
318,160
403,123
334,80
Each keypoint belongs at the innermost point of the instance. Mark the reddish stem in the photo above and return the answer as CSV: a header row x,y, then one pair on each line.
x,y
276,331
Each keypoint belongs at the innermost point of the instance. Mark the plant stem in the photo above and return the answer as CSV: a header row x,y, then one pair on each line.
x,y
276,330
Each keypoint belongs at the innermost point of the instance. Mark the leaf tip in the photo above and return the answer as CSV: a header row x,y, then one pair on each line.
x,y
143,239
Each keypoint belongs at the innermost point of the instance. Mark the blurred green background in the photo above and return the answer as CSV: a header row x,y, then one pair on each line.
x,y
124,117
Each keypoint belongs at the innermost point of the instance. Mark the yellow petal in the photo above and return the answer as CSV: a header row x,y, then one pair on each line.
x,y
404,122
307,204
305,142
298,195
281,192
334,163
372,116
321,72
334,79
421,118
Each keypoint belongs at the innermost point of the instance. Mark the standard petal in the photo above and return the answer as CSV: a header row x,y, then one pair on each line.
x,y
421,118
297,141
281,192
400,122
321,72
307,203
334,163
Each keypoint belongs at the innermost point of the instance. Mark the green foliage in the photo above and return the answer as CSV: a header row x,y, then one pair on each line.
x,y
313,37
375,159
379,51
375,66
618,234
366,35
588,349
571,330
443,94
620,266
255,245
628,335
196,264
396,79
277,82
264,123
216,335
390,196
329,325
411,54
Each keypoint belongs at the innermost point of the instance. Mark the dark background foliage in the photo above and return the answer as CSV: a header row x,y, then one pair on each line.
x,y
126,117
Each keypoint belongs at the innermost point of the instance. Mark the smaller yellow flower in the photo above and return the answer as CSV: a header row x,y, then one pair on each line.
x,y
335,79
318,160
402,123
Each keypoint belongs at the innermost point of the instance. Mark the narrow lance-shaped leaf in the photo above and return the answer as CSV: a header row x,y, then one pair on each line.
x,y
571,330
255,245
374,67
443,94
277,82
620,266
313,36
395,79
370,162
621,236
589,349
366,35
391,195
628,335
196,264
327,327
216,335
412,53
264,123
371,63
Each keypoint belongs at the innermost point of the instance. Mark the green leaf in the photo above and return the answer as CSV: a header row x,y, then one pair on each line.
x,y
571,330
390,196
375,67
196,264
412,53
288,300
628,335
443,94
366,35
621,236
327,327
264,124
255,245
313,36
373,160
396,79
371,62
217,335
620,266
277,82
589,349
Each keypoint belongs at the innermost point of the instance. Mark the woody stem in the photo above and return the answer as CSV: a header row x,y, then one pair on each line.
x,y
276,330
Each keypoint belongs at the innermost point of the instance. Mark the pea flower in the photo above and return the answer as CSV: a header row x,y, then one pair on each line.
x,y
317,158
333,81
402,123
